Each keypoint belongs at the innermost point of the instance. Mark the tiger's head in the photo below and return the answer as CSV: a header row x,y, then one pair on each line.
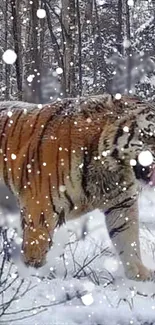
x,y
145,166
134,139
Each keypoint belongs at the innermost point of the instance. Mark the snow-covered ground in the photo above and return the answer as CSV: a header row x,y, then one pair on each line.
x,y
86,284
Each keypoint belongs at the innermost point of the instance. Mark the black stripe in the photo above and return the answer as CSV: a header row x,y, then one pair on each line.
x,y
69,200
61,219
114,231
42,219
32,129
4,109
118,134
24,179
35,123
127,203
114,154
41,136
15,123
5,167
21,179
57,170
86,161
3,130
4,152
51,197
26,169
132,133
67,196
69,154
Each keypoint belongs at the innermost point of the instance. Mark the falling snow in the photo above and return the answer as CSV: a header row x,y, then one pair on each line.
x,y
118,96
9,113
13,156
131,3
41,13
145,158
116,55
133,162
87,299
126,129
59,70
9,56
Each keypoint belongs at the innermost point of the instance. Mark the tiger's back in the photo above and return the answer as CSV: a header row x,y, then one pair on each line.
x,y
65,159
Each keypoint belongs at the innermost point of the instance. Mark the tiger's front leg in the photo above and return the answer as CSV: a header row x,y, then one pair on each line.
x,y
38,225
123,227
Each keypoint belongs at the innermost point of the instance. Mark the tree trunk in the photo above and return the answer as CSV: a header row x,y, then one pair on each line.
x,y
68,20
56,47
7,67
100,49
128,49
120,29
79,47
17,44
153,2
35,54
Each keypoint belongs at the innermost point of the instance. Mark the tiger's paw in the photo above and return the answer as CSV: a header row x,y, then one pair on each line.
x,y
139,272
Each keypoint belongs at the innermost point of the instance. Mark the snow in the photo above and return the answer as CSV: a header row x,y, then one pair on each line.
x,y
131,3
9,114
13,156
59,70
30,78
83,290
126,129
145,158
118,96
133,162
9,56
126,43
87,299
41,13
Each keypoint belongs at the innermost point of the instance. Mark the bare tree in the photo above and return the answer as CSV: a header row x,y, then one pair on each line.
x,y
120,27
79,47
15,8
35,60
7,67
68,20
128,47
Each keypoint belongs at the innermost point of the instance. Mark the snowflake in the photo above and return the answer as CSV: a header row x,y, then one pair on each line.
x,y
130,3
62,188
118,96
9,56
41,13
145,158
13,156
126,129
133,162
87,299
59,70
9,113
30,77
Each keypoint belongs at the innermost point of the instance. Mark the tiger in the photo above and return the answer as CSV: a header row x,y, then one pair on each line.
x,y
67,158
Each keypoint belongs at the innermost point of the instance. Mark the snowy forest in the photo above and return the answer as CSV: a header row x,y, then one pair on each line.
x,y
71,48
79,47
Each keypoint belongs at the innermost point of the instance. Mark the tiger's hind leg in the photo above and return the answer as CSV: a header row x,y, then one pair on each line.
x,y
123,227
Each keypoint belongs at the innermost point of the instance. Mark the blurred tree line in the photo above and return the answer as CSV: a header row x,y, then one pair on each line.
x,y
98,45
